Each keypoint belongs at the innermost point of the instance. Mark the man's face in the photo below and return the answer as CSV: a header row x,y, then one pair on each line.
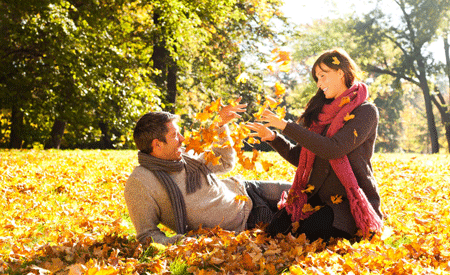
x,y
171,149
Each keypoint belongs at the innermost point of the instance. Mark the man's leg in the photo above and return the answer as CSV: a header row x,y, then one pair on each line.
x,y
265,196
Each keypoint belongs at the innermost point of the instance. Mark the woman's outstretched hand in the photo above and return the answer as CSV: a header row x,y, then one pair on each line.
x,y
261,131
272,120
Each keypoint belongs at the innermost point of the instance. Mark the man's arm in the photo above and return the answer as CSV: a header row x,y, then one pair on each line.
x,y
144,213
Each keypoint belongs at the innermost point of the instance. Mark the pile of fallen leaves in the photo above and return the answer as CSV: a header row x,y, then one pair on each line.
x,y
63,212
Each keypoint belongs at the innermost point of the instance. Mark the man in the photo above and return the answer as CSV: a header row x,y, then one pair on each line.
x,y
182,192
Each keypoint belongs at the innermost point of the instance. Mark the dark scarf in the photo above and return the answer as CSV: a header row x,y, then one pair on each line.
x,y
161,168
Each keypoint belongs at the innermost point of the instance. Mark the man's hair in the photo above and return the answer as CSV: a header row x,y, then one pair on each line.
x,y
149,127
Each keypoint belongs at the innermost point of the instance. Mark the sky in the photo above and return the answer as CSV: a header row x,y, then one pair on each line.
x,y
305,11
301,11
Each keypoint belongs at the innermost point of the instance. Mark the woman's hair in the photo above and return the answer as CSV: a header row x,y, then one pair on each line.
x,y
151,126
335,59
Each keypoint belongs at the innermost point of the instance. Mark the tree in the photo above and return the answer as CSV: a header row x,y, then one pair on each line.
x,y
322,35
420,21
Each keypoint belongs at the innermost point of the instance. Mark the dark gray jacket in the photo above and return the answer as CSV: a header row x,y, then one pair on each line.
x,y
359,149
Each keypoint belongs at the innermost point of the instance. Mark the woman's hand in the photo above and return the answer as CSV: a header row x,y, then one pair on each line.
x,y
229,112
272,120
261,131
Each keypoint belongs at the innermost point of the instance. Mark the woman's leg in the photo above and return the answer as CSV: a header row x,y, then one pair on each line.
x,y
320,225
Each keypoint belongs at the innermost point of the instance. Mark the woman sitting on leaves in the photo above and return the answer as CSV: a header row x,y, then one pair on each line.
x,y
334,192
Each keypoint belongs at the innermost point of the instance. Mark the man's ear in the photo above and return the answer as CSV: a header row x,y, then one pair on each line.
x,y
156,144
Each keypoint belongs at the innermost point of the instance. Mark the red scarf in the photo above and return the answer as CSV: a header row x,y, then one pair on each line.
x,y
365,216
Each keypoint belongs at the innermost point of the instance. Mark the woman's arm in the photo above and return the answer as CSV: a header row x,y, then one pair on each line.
x,y
354,132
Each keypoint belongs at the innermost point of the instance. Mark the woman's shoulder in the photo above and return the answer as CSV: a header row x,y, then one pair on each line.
x,y
367,107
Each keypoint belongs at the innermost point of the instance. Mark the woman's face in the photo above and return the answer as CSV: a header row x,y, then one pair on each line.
x,y
331,82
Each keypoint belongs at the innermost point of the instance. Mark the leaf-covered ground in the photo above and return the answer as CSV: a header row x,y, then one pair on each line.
x,y
63,212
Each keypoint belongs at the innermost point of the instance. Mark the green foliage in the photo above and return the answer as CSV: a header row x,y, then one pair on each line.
x,y
91,64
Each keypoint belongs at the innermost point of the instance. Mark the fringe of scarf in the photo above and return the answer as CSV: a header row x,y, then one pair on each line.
x,y
193,167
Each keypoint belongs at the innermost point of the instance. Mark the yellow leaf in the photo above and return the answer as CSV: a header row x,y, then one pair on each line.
x,y
336,60
281,112
266,165
211,158
272,102
253,140
336,199
279,89
240,198
285,67
348,117
308,189
344,100
203,116
307,208
215,106
242,78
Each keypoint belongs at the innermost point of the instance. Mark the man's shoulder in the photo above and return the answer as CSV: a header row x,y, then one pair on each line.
x,y
142,175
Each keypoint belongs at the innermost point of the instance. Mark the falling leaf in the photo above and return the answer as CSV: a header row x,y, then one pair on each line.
x,y
273,103
349,117
336,60
241,198
309,189
285,67
295,226
279,89
307,208
212,158
242,78
281,112
336,199
344,100
266,165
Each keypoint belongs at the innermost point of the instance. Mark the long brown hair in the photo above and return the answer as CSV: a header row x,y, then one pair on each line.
x,y
335,59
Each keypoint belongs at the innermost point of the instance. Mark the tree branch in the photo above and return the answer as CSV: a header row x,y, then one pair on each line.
x,y
375,69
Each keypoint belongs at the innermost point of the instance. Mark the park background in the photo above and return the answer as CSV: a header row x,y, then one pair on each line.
x,y
78,74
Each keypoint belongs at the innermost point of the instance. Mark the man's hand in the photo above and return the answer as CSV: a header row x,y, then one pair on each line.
x,y
229,112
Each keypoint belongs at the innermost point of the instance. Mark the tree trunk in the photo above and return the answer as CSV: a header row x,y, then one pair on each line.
x,y
15,139
428,106
167,79
106,142
56,134
172,85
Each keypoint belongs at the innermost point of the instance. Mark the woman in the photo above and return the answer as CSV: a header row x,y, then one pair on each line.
x,y
334,191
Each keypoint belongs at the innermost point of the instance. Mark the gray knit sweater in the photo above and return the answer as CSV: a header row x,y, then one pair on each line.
x,y
149,204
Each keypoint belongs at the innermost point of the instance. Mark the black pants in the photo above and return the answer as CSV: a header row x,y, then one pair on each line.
x,y
265,196
318,225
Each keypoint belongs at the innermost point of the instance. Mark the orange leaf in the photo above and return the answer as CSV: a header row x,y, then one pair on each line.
x,y
279,89
308,189
344,100
336,60
348,117
240,198
336,199
266,165
215,106
307,208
